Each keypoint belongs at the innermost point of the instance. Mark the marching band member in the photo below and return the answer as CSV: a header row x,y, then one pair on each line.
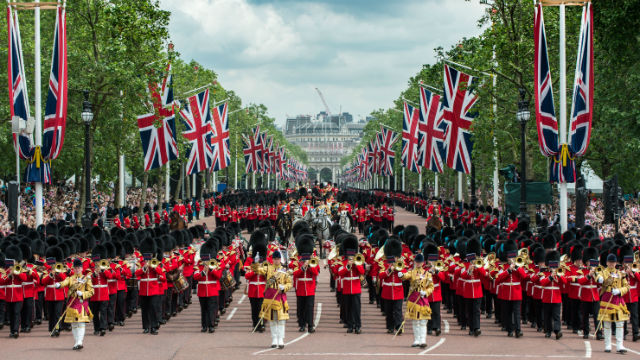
x,y
99,302
304,279
54,296
550,280
470,274
150,275
588,293
208,274
510,280
612,306
350,273
80,289
256,277
275,308
418,309
631,267
392,291
435,298
12,279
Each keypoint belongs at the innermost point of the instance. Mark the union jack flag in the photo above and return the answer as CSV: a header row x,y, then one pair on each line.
x,y
546,121
196,117
55,114
410,138
457,103
267,147
18,97
386,139
253,151
220,137
158,143
582,106
432,131
364,162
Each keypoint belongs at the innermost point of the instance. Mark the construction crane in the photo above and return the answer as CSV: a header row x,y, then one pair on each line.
x,y
326,107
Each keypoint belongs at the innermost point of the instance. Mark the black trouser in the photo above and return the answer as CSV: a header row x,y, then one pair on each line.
x,y
39,306
251,224
371,289
174,300
434,323
256,305
633,317
525,306
565,309
150,307
446,295
332,282
99,310
538,310
551,317
393,313
54,309
166,303
188,292
27,312
352,310
590,308
341,305
111,309
208,309
305,310
511,314
575,314
121,305
13,310
132,298
473,313
488,302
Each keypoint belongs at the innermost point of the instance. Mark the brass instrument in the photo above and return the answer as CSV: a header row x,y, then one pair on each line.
x,y
153,263
478,262
560,271
635,267
359,259
212,264
439,265
520,261
313,262
523,252
599,271
103,264
58,267
333,253
379,254
398,265
16,270
636,256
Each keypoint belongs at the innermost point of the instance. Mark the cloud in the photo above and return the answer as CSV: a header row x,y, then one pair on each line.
x,y
359,53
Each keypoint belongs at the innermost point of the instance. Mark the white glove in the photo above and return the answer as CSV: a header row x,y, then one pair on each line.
x,y
615,291
56,285
600,280
79,293
400,275
423,293
281,287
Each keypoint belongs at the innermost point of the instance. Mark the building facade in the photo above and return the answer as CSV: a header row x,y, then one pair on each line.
x,y
326,139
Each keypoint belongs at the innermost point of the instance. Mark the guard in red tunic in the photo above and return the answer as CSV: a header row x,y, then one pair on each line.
x,y
510,280
54,297
350,274
304,280
392,291
470,276
588,293
550,282
99,302
12,280
150,274
208,274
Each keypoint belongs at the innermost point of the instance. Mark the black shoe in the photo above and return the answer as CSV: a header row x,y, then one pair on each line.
x,y
524,322
464,327
449,311
111,327
422,346
518,334
274,346
203,330
162,322
370,301
607,351
301,329
477,332
358,331
312,330
575,331
261,329
429,332
438,332
154,331
489,316
585,336
173,314
344,326
224,310
120,323
211,330
539,330
636,337
97,332
13,335
102,332
55,333
389,331
129,314
558,335
547,335
599,336
510,334
415,345
280,347
145,331
77,347
179,308
533,325
622,352
350,331
26,330
38,322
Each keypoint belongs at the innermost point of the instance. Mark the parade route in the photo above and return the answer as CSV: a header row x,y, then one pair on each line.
x,y
181,338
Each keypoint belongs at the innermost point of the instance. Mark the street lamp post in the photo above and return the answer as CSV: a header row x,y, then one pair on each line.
x,y
87,117
523,116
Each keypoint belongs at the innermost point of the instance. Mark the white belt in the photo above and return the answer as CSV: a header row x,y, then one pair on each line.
x,y
99,286
149,279
589,286
436,285
310,279
574,284
27,283
13,286
633,287
258,283
207,282
550,288
511,283
391,283
111,281
471,280
51,286
349,278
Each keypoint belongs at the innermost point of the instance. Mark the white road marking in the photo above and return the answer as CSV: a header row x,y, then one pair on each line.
x,y
440,342
587,349
242,299
232,313
633,351
446,326
317,321
429,354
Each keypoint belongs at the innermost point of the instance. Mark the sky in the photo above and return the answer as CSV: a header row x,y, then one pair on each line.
x,y
359,53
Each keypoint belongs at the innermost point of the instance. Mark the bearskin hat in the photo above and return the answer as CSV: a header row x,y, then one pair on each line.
x,y
590,253
56,253
99,252
538,255
393,247
305,244
551,256
148,246
13,252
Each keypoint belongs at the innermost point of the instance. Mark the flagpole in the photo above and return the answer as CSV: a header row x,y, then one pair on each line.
x,y
435,190
253,180
193,186
562,187
167,187
403,178
121,161
420,181
38,110
460,186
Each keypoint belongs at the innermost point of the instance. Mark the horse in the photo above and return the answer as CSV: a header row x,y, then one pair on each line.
x,y
283,227
176,222
345,221
321,224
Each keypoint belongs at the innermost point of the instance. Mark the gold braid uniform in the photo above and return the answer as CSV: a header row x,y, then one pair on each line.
x,y
275,302
78,310
612,307
417,306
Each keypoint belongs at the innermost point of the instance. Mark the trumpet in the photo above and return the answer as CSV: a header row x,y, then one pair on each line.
x,y
440,266
560,271
58,267
103,264
333,253
520,261
16,270
153,263
398,265
635,267
478,262
359,259
212,264
313,262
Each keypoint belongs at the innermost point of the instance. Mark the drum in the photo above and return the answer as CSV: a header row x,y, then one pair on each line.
x,y
227,280
180,284
131,282
173,275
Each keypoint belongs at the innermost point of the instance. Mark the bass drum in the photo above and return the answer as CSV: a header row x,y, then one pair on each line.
x,y
227,280
180,284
